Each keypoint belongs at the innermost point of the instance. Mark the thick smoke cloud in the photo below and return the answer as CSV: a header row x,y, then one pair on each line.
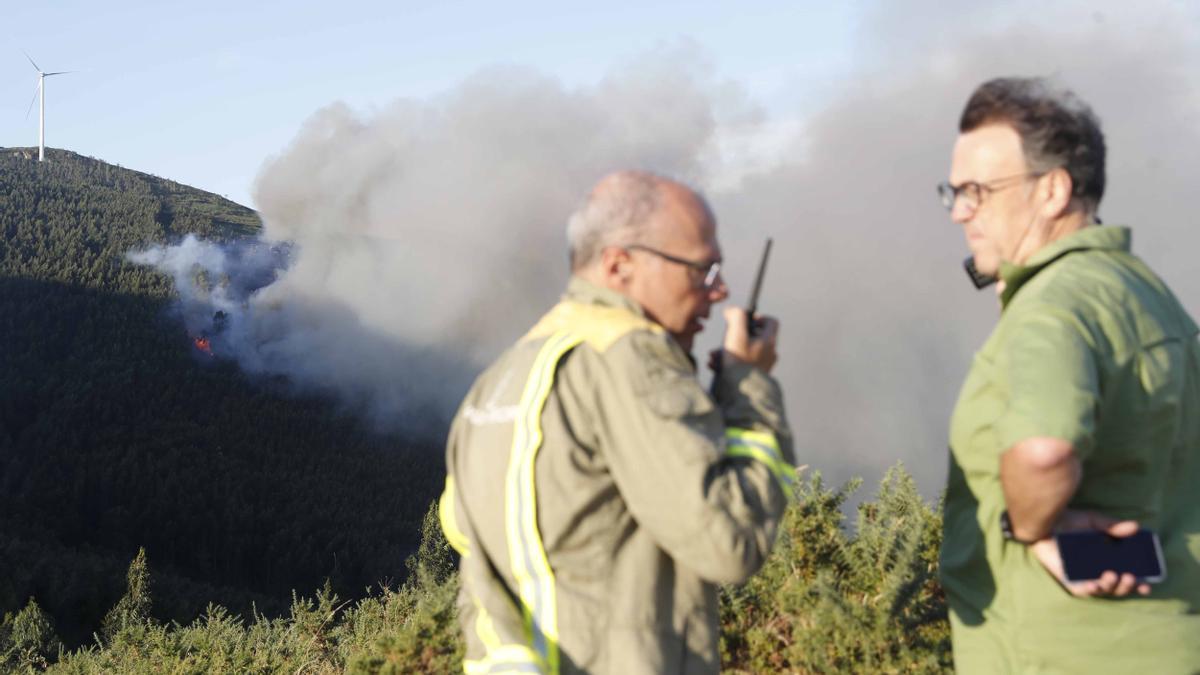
x,y
428,235
881,322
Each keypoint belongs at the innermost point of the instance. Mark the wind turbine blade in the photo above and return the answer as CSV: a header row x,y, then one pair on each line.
x,y
35,66
61,72
36,91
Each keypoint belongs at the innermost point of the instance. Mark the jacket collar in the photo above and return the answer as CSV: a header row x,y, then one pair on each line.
x,y
1092,237
585,292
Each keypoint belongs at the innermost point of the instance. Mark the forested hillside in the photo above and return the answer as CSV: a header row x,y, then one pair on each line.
x,y
115,433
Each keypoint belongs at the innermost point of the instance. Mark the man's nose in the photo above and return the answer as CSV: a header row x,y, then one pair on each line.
x,y
960,212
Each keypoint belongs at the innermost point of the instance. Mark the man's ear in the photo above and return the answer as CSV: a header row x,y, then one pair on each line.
x,y
1058,189
616,266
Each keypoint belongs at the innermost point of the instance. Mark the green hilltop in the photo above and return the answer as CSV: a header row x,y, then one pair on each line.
x,y
114,436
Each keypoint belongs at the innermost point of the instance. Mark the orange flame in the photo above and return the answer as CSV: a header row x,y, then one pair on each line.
x,y
203,345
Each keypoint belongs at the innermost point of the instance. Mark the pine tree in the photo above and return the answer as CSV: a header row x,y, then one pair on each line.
x,y
27,640
435,560
133,609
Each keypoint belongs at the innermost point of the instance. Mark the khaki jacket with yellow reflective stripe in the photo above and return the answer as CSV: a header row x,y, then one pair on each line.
x,y
598,495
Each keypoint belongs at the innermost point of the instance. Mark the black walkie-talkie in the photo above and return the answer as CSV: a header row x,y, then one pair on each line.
x,y
756,326
978,278
752,327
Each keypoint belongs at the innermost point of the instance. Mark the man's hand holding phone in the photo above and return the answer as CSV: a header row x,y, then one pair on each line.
x,y
1110,582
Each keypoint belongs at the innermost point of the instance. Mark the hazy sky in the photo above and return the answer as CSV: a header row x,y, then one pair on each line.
x,y
204,92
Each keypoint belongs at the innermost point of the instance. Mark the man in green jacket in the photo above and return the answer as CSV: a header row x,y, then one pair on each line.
x,y
1080,412
596,493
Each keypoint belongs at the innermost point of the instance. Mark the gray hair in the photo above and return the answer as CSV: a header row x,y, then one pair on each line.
x,y
616,212
1057,129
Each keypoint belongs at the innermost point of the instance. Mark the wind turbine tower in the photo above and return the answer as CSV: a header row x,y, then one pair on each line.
x,y
41,93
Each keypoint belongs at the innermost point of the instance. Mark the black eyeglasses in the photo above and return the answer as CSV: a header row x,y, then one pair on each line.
x,y
972,193
711,271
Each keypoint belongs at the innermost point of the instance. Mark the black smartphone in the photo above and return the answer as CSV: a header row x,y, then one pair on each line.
x,y
1087,555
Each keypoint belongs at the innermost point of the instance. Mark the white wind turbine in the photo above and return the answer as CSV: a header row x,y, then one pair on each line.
x,y
41,91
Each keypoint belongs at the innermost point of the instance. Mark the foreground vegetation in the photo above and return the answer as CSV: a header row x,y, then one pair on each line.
x,y
831,599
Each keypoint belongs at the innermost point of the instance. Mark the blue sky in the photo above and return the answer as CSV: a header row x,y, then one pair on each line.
x,y
203,93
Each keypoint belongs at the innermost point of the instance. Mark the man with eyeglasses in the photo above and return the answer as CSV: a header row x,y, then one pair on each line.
x,y
1080,412
596,492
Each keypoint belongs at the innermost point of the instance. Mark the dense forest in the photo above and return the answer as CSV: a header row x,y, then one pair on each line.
x,y
116,434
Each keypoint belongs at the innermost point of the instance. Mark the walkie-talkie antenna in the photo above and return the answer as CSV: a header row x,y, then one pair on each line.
x,y
752,307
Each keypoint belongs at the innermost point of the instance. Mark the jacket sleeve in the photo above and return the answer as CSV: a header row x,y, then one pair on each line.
x,y
709,484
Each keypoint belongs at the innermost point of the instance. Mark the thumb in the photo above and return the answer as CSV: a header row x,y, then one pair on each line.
x,y
1096,521
1122,528
1117,528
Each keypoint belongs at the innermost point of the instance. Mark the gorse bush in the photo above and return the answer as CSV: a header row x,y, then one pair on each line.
x,y
829,600
832,601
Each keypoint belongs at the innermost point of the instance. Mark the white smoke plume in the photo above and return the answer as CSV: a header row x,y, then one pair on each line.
x,y
429,235
215,282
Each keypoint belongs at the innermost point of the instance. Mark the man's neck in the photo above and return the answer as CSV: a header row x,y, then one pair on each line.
x,y
1065,225
593,276
1070,224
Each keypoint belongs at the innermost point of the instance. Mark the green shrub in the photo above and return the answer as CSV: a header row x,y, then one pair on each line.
x,y
829,600
415,629
27,640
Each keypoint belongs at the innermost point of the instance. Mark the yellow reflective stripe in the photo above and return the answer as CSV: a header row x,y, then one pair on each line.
x,y
785,474
449,523
500,658
763,438
535,580
505,659
484,627
762,447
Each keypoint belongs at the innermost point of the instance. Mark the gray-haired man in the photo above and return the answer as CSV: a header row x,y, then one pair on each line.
x,y
595,490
